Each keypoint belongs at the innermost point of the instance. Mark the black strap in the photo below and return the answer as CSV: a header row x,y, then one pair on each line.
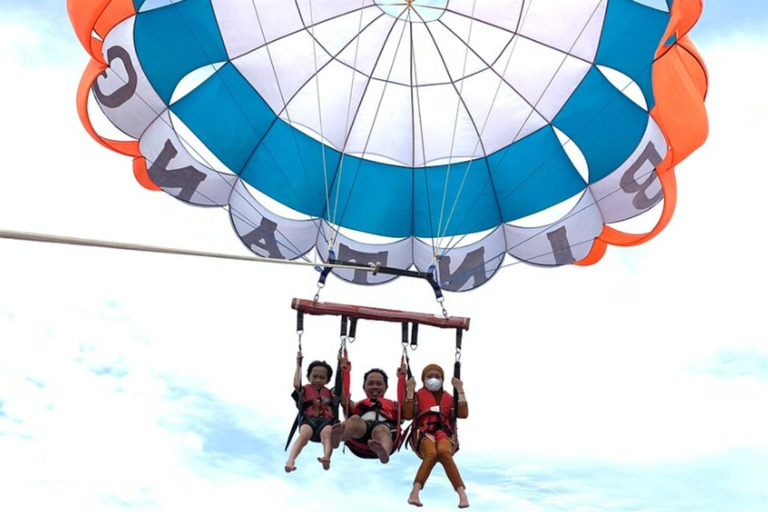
x,y
299,399
457,374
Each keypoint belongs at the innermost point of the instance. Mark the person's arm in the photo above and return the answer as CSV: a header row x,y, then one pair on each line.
x,y
409,407
463,409
297,375
402,371
346,403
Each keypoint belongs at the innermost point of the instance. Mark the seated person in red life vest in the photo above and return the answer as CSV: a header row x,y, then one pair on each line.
x,y
434,439
371,431
317,411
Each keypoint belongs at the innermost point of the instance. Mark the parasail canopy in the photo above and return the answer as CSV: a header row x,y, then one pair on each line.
x,y
458,134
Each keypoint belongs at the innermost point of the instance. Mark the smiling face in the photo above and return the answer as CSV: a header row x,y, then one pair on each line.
x,y
318,377
374,385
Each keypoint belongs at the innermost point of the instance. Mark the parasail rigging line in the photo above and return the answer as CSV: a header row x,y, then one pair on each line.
x,y
245,116
573,213
376,114
201,158
449,247
480,222
347,130
316,221
513,41
415,88
319,225
459,102
87,242
534,108
319,103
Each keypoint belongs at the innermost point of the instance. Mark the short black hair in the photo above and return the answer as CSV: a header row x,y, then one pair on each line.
x,y
324,365
376,370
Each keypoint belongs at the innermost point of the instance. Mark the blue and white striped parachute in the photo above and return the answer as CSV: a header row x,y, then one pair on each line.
x,y
453,133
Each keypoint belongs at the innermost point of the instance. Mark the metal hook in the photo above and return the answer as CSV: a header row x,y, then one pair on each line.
x,y
320,286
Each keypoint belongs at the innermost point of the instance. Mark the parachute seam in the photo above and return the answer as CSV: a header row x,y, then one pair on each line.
x,y
319,225
506,150
203,160
234,98
417,89
347,127
513,41
357,111
523,36
304,28
573,213
319,106
474,124
459,104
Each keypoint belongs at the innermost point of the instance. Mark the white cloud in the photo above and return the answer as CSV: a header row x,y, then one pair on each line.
x,y
591,363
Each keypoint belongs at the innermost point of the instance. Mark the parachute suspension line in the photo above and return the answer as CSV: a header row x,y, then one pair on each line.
x,y
319,225
554,75
327,213
513,42
239,106
319,108
347,129
416,88
455,122
534,235
285,103
203,160
551,156
534,109
378,106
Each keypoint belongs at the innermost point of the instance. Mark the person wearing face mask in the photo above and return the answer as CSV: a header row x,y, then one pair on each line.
x,y
434,434
371,430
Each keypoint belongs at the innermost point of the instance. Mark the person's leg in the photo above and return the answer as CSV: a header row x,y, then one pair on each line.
x,y
325,440
445,456
305,434
428,453
381,442
354,427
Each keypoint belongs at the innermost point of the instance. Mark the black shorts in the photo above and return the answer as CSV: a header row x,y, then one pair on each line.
x,y
318,424
372,424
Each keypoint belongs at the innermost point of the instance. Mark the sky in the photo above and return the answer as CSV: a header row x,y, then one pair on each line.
x,y
145,382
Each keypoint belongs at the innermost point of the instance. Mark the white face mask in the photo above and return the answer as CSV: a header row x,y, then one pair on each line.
x,y
433,384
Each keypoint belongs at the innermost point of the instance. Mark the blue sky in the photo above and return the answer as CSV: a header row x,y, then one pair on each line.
x,y
149,383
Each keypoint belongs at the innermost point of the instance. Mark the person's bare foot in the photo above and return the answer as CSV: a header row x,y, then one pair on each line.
x,y
413,498
463,501
289,467
337,431
377,448
325,462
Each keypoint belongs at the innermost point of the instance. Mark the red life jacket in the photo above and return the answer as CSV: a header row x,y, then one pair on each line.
x,y
429,420
385,408
386,411
317,403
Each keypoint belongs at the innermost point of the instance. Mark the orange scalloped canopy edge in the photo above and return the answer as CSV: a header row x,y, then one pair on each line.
x,y
679,86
